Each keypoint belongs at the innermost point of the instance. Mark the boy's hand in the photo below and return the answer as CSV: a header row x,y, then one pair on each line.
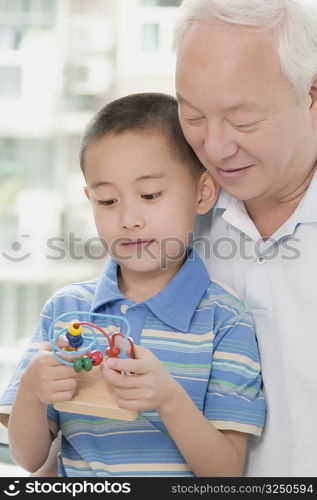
x,y
47,379
150,386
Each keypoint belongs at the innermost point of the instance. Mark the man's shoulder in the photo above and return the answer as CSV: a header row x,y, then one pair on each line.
x,y
221,295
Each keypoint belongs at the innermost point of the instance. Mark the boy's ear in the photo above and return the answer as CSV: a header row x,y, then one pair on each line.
x,y
86,190
208,190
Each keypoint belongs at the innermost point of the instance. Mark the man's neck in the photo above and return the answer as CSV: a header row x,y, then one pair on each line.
x,y
270,214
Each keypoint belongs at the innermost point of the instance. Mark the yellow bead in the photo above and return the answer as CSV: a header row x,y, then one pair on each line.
x,y
73,330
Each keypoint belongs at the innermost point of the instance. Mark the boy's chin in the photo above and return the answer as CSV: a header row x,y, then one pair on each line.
x,y
139,266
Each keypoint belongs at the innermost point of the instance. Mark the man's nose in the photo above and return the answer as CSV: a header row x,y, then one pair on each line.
x,y
131,217
219,143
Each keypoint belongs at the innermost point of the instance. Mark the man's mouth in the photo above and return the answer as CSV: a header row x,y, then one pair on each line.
x,y
233,174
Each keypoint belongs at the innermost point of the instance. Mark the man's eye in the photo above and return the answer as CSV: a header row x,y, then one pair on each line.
x,y
106,202
193,120
246,125
153,196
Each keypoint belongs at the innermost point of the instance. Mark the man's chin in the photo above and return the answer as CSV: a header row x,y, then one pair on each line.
x,y
244,193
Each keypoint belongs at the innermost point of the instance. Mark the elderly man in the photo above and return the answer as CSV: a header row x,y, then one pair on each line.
x,y
247,91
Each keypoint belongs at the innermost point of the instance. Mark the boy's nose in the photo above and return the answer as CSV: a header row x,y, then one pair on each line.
x,y
131,220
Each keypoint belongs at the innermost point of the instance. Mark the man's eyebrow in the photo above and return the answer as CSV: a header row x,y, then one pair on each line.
x,y
246,106
181,100
146,177
243,105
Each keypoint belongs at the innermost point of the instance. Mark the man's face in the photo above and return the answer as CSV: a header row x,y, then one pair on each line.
x,y
240,114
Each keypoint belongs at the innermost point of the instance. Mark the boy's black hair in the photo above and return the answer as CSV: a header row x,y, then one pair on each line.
x,y
145,113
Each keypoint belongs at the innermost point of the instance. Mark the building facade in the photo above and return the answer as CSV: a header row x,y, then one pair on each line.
x,y
60,61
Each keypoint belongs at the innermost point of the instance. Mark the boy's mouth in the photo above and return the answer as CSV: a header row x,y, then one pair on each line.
x,y
137,242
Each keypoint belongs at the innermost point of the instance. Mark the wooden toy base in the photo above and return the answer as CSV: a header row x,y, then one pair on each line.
x,y
95,397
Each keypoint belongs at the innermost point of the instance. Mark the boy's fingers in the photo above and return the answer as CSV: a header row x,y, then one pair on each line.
x,y
60,342
67,356
65,372
143,353
46,346
138,366
64,384
135,366
130,393
58,397
118,379
118,342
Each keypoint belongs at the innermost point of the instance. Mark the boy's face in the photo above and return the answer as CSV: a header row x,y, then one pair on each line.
x,y
144,200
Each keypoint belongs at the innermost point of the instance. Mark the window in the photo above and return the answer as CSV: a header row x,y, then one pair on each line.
x,y
10,82
40,6
93,46
31,159
150,37
24,164
27,13
161,3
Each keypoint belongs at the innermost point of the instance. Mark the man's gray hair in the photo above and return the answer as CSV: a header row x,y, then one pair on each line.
x,y
293,23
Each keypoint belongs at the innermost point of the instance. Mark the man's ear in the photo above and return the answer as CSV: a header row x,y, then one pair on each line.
x,y
207,193
313,105
86,190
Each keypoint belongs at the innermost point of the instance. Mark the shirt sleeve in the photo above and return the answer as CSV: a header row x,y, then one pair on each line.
x,y
234,399
40,334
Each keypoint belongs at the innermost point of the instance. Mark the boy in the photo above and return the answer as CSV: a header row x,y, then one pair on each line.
x,y
196,375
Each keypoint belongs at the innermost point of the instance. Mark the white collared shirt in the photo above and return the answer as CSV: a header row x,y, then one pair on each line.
x,y
278,282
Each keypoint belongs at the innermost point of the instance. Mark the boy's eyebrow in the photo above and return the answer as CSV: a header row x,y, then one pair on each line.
x,y
100,183
142,178
151,176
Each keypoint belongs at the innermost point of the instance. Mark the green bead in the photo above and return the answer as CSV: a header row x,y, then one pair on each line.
x,y
86,363
77,364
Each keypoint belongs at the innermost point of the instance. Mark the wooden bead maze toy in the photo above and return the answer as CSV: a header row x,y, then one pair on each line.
x,y
94,396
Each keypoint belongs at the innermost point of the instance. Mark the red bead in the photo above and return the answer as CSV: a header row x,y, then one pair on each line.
x,y
96,357
112,352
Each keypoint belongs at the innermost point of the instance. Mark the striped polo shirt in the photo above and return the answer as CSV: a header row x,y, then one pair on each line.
x,y
201,332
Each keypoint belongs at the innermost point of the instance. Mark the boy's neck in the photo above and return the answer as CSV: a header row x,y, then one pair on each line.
x,y
140,286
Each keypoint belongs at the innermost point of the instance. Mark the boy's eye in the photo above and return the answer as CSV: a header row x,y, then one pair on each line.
x,y
153,196
106,202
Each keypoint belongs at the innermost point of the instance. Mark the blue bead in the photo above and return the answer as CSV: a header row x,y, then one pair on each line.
x,y
74,341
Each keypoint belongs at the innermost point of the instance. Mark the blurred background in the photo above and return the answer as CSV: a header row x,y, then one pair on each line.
x,y
61,61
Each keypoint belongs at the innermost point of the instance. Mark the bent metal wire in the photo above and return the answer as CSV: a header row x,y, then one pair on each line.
x,y
93,344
